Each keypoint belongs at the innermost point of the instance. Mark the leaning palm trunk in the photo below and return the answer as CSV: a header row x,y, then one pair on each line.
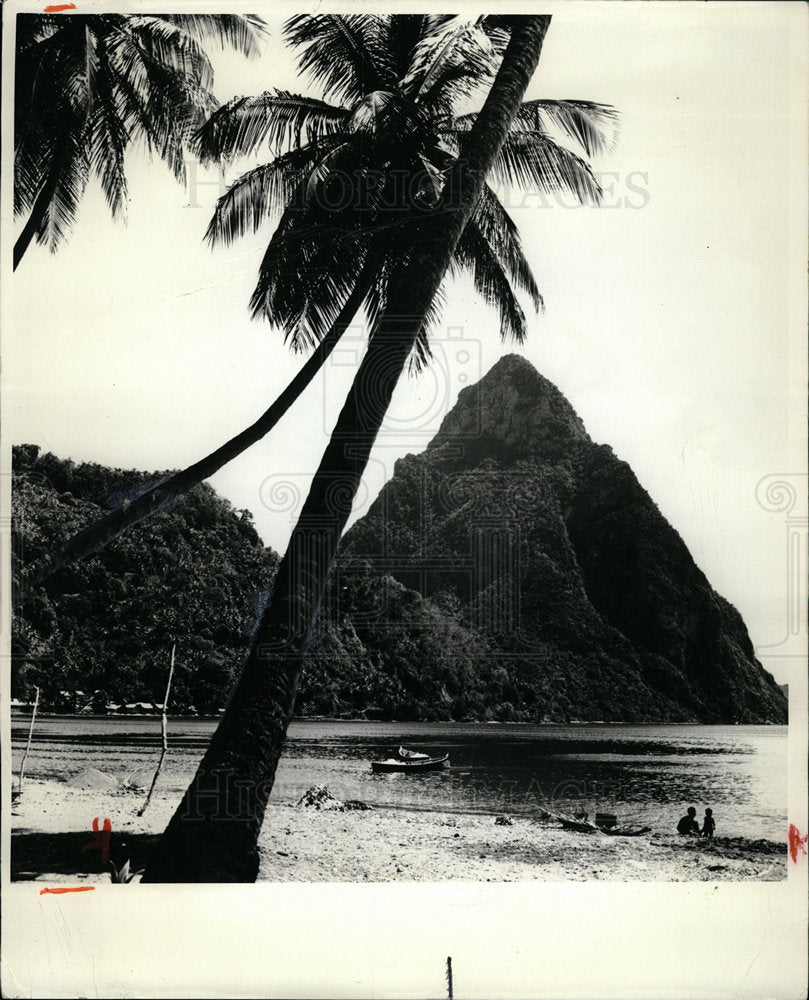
x,y
97,534
213,835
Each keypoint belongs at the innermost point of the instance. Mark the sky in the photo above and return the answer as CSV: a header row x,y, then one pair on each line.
x,y
674,314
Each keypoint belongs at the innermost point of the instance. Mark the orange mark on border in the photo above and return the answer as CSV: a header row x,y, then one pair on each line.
x,y
796,842
54,8
78,888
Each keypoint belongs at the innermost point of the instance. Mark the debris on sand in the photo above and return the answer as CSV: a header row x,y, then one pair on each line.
x,y
92,778
502,821
319,797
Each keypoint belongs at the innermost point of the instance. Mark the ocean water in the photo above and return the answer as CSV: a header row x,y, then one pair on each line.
x,y
644,774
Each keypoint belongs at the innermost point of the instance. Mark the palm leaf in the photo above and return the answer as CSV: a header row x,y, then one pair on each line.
x,y
245,33
170,104
594,127
405,31
278,117
71,184
447,67
473,253
251,199
532,160
395,261
345,54
154,120
500,232
167,45
304,280
323,168
108,136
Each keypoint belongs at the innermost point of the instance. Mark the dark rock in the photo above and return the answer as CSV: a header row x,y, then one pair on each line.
x,y
516,571
319,797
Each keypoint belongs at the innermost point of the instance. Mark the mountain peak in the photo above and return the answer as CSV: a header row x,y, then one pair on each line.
x,y
512,412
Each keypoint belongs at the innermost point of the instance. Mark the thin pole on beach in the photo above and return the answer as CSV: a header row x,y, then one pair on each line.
x,y
164,731
30,734
449,976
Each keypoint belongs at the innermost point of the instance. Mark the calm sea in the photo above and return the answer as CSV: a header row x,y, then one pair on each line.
x,y
644,774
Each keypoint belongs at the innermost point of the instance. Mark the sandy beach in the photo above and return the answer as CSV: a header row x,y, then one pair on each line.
x,y
53,841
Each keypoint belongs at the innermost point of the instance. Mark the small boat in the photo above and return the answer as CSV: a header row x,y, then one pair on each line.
x,y
409,765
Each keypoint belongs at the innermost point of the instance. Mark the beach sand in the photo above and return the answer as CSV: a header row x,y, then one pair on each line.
x,y
53,842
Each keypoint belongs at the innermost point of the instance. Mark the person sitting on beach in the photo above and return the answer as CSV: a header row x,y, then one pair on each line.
x,y
688,824
708,824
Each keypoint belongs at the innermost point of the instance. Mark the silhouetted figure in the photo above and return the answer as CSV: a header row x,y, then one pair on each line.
x,y
708,824
689,824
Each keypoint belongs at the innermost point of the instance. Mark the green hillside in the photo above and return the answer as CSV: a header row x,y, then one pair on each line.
x,y
191,575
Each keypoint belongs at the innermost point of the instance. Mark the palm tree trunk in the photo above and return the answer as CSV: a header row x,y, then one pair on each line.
x,y
152,501
213,835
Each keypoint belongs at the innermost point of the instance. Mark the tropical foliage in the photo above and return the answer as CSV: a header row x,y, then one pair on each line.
x,y
88,86
355,173
353,181
105,627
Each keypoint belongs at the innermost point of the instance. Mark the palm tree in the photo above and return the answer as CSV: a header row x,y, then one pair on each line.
x,y
213,834
388,147
354,179
88,86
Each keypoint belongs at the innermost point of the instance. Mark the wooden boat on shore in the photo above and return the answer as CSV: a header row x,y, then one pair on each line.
x,y
626,831
583,825
409,762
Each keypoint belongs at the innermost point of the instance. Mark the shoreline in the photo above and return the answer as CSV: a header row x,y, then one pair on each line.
x,y
52,826
25,713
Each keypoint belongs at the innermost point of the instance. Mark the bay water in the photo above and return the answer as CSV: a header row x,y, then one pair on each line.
x,y
644,774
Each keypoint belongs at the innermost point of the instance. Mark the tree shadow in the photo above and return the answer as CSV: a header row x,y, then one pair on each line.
x,y
34,854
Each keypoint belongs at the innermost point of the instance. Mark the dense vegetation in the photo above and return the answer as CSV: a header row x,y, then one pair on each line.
x,y
105,627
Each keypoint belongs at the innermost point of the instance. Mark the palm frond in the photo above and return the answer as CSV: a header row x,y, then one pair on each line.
x,y
422,353
245,33
594,127
42,120
474,254
404,33
453,63
155,120
254,196
165,105
67,193
278,118
109,80
108,136
395,261
175,50
344,53
304,280
324,168
500,232
532,160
